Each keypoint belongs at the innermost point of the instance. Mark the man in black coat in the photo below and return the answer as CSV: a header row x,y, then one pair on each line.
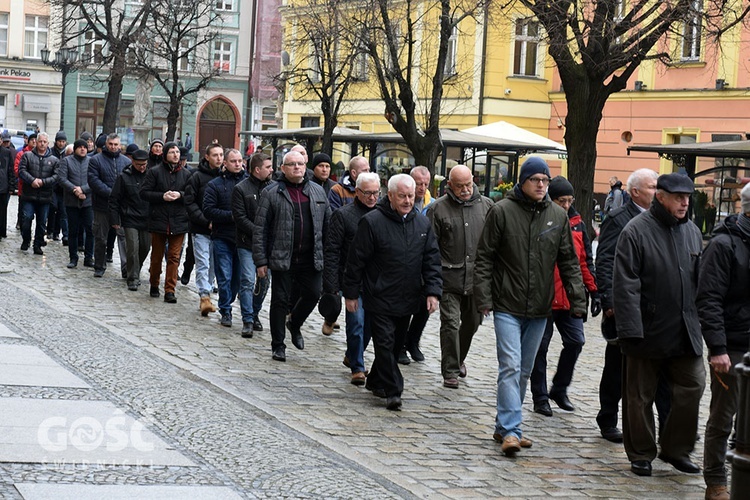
x,y
73,172
38,171
723,298
244,205
658,330
395,262
7,181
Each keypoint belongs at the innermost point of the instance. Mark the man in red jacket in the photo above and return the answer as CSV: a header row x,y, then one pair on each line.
x,y
570,328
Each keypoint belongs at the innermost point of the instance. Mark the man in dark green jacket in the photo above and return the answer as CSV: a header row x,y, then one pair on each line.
x,y
524,236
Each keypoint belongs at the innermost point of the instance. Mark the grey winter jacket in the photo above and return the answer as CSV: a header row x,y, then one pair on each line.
x,y
274,220
74,171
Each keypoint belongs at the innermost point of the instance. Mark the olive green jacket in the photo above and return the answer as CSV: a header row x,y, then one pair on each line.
x,y
514,270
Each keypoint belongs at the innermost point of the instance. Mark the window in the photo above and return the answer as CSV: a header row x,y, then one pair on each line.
x,y
359,69
224,4
3,33
35,36
389,65
223,56
186,55
452,54
526,48
691,33
313,73
93,48
268,114
310,121
132,7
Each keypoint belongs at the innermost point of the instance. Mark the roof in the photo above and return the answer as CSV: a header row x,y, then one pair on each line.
x,y
727,149
508,131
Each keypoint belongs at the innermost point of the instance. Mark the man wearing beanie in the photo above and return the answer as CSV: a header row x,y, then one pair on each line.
x,y
524,236
57,217
321,166
658,328
156,148
723,296
570,327
73,172
90,146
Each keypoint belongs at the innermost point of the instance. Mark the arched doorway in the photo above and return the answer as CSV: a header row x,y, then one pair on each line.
x,y
218,121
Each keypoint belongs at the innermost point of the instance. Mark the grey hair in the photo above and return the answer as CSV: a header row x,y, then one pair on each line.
x,y
291,153
638,177
420,170
398,179
112,136
367,177
42,134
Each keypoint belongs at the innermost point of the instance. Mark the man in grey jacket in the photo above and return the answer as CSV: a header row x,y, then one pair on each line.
x,y
291,221
656,275
73,174
458,218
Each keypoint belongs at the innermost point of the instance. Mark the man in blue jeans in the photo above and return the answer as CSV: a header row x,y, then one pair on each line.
x,y
38,171
524,236
341,232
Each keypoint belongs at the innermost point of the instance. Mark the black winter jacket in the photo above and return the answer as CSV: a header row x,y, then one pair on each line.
x,y
394,260
217,205
74,171
103,171
126,207
194,194
7,177
656,278
341,232
724,290
274,239
166,217
33,166
244,206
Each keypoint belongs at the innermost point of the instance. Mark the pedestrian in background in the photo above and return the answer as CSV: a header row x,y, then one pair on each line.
x,y
73,172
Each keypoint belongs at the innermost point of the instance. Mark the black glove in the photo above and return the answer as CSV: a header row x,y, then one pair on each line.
x,y
596,304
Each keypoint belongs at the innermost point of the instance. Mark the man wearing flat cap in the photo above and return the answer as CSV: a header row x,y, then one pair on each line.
x,y
658,329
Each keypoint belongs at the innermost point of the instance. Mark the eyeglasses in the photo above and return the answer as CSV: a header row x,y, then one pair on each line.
x,y
539,180
369,193
566,200
295,164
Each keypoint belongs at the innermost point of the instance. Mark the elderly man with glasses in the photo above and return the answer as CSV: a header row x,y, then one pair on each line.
x,y
525,236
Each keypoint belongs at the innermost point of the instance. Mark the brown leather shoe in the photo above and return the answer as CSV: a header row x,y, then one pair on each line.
x,y
511,446
462,370
327,328
717,492
358,378
450,383
346,362
525,442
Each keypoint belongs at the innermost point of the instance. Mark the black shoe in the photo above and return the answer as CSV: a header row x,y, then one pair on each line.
x,y
681,464
43,243
257,325
170,298
154,292
376,391
38,251
641,467
562,401
88,262
133,286
247,330
612,434
393,403
25,245
279,354
72,264
297,339
109,258
55,238
124,275
81,249
403,358
416,354
65,242
226,319
543,408
98,273
185,278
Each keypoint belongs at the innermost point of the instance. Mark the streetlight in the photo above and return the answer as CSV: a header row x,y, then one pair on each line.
x,y
65,61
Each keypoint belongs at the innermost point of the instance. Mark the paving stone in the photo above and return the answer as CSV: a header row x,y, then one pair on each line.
x,y
28,365
32,491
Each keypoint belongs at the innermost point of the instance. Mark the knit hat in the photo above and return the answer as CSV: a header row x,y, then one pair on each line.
x,y
745,197
60,136
559,186
32,137
184,153
86,136
532,165
155,141
167,147
6,135
101,141
132,148
80,142
321,158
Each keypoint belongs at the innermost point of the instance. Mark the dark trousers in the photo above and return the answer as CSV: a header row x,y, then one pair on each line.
x,y
459,321
189,263
57,217
388,334
571,332
610,386
724,401
138,244
31,209
4,200
309,283
80,219
686,377
158,249
416,326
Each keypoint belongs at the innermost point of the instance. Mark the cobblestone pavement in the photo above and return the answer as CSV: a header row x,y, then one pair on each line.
x,y
299,429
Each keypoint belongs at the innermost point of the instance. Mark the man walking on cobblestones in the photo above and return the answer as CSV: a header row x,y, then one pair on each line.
x,y
292,221
524,236
74,171
394,264
458,218
38,171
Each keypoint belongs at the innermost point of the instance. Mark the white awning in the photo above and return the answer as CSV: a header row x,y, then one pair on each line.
x,y
37,103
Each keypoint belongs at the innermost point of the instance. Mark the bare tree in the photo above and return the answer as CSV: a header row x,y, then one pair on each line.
x,y
597,46
107,29
326,57
177,49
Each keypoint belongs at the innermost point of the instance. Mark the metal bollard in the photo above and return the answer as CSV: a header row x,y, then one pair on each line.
x,y
740,457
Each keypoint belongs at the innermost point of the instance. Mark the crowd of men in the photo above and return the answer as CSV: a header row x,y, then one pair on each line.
x,y
526,260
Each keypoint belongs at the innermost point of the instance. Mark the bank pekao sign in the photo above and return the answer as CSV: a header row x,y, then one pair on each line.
x,y
14,74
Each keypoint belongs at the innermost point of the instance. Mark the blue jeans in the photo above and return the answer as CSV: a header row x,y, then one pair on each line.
x,y
204,263
249,302
357,338
227,264
29,209
517,342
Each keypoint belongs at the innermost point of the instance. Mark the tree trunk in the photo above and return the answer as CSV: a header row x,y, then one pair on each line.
x,y
172,117
112,103
329,123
